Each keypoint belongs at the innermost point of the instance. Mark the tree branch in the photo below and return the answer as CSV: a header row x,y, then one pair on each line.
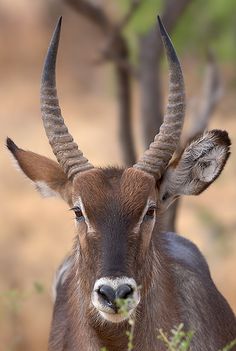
x,y
211,93
151,51
134,5
116,50
93,12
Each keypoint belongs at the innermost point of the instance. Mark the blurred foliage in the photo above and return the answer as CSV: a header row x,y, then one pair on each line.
x,y
203,25
229,346
211,221
38,287
12,299
179,339
12,303
209,24
219,232
144,18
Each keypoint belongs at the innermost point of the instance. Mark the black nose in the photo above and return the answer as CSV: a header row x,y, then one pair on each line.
x,y
108,295
124,291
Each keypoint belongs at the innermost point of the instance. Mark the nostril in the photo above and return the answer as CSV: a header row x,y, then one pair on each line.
x,y
107,294
124,291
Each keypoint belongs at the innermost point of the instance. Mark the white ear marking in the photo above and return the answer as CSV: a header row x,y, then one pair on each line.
x,y
45,190
41,186
15,163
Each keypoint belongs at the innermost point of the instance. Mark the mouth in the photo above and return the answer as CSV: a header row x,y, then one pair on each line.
x,y
115,313
116,317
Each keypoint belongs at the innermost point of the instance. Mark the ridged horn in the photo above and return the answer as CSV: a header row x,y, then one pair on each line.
x,y
68,155
157,157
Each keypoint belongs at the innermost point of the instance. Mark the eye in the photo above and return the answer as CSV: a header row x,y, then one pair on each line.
x,y
150,212
78,213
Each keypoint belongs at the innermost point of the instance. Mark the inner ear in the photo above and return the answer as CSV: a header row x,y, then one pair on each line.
x,y
209,153
197,167
210,165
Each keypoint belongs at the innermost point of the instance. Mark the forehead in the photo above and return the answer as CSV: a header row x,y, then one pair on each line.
x,y
128,189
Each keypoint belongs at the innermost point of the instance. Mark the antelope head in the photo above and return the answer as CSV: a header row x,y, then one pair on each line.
x,y
118,211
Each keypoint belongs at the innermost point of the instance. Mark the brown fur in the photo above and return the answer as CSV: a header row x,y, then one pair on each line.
x,y
175,282
162,299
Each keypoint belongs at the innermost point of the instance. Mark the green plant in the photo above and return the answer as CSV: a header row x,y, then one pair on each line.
x,y
12,302
229,346
179,339
123,308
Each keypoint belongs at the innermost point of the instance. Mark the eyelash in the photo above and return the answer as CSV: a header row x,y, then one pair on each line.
x,y
78,213
150,212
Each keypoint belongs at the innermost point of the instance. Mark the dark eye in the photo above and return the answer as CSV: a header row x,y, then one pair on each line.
x,y
150,212
78,213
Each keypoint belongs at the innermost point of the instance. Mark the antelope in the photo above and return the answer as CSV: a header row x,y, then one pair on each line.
x,y
120,250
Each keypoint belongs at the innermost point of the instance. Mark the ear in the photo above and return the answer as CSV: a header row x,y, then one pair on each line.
x,y
198,166
47,175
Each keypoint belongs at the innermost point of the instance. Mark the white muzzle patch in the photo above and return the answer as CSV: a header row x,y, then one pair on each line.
x,y
106,308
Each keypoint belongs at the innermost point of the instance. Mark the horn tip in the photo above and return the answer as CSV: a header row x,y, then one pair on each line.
x,y
161,26
58,25
48,74
59,21
56,34
167,42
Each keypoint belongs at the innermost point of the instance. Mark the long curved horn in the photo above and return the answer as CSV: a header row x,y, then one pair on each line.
x,y
157,157
68,155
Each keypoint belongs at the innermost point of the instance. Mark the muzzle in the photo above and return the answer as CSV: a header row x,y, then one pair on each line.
x,y
115,298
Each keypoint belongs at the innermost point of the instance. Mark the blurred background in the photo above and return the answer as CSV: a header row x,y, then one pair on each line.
x,y
112,84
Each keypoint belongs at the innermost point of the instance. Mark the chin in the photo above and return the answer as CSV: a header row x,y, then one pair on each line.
x,y
116,317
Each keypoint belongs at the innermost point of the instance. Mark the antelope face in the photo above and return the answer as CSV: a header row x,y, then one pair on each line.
x,y
115,216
